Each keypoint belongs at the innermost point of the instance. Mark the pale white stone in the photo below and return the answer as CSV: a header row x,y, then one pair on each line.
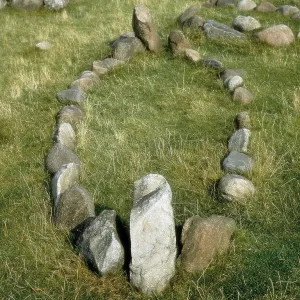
x,y
152,234
233,82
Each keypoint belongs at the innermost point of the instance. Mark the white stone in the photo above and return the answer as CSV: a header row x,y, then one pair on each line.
x,y
233,82
246,5
65,135
239,140
66,177
245,23
152,234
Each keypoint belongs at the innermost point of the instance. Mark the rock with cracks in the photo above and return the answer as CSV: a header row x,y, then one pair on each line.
x,y
152,235
144,28
203,239
177,42
99,243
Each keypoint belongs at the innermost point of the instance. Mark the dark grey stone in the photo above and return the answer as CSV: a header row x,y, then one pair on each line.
x,y
237,162
217,30
74,94
188,13
58,156
212,63
223,3
194,22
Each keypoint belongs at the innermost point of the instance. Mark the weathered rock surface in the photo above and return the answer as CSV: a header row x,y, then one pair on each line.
x,y
3,3
288,10
99,243
121,37
65,135
101,67
70,114
242,120
188,13
212,63
246,5
195,22
232,72
237,162
217,30
278,35
235,188
152,234
266,7
74,94
203,239
27,4
177,42
58,156
56,4
245,23
223,3
127,47
74,207
242,95
192,55
232,83
239,140
66,177
144,28
86,80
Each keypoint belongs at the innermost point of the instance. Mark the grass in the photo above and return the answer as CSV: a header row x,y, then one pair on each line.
x,y
154,114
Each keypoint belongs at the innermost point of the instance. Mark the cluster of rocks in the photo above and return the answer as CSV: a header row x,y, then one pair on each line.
x,y
34,4
277,35
153,248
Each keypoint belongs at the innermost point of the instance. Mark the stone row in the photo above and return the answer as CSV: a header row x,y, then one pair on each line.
x,y
35,4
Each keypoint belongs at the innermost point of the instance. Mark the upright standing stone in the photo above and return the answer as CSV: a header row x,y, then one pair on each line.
x,y
99,243
144,28
152,234
203,239
177,42
65,135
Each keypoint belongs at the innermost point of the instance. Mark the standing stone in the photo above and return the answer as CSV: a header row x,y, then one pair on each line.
x,y
232,72
65,135
233,82
152,234
203,239
127,47
56,4
239,140
74,207
288,10
58,156
3,3
212,63
74,94
235,188
192,55
237,162
246,5
242,95
266,7
144,28
70,114
177,42
86,80
217,30
242,120
245,23
27,4
99,243
188,13
278,35
101,67
66,177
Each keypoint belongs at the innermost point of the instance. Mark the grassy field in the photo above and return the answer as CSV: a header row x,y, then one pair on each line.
x,y
154,114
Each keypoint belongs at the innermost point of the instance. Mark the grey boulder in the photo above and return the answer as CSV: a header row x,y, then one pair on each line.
x,y
239,140
177,42
99,244
212,63
74,94
237,162
288,10
245,23
242,95
246,5
152,235
235,188
188,13
232,83
3,3
223,3
232,72
70,114
101,67
195,22
65,135
192,55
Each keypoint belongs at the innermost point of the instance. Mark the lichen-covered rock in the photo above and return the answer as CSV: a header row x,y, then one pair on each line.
x,y
217,30
101,67
246,5
245,23
237,162
74,94
127,47
75,205
203,239
65,135
232,83
242,95
99,244
152,234
60,155
239,140
70,114
66,177
27,4
235,188
56,4
144,28
277,35
177,42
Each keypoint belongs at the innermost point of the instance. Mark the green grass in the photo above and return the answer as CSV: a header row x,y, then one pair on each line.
x,y
154,114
